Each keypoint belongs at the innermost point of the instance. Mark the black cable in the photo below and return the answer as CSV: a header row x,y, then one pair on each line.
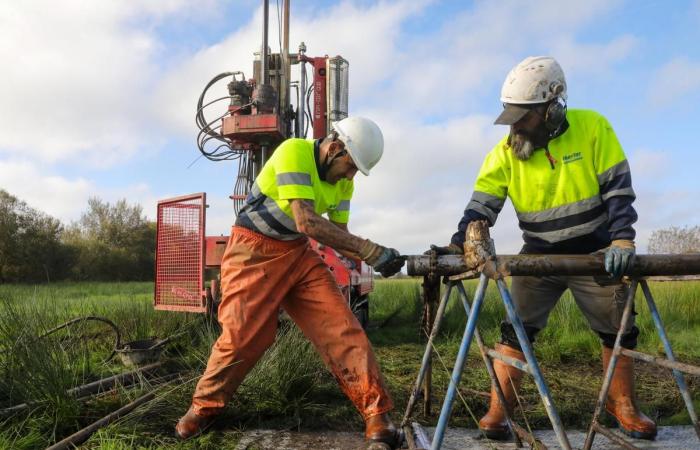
x,y
199,117
308,108
115,328
208,132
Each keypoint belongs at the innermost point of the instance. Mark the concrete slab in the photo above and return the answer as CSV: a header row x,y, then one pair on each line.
x,y
669,438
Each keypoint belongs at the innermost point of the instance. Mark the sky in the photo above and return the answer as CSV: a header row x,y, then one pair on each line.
x,y
98,97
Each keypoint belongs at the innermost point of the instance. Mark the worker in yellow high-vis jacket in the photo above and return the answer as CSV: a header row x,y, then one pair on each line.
x,y
269,264
569,181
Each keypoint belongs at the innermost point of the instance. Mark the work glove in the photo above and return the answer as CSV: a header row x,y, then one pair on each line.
x,y
451,249
619,257
387,261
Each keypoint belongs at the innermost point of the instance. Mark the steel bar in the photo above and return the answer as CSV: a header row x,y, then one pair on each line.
x,y
615,438
459,364
431,297
410,441
439,314
669,364
534,367
109,382
301,114
421,436
602,396
680,380
286,66
526,436
95,387
483,350
82,435
543,265
510,361
264,72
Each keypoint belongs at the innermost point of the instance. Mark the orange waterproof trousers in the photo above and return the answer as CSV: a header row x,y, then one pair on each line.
x,y
258,276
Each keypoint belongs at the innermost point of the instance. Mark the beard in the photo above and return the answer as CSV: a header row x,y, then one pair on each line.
x,y
521,144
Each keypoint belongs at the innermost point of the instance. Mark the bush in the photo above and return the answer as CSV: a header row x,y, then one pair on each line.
x,y
112,242
30,245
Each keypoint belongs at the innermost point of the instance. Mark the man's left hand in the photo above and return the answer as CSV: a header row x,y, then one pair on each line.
x,y
619,257
391,263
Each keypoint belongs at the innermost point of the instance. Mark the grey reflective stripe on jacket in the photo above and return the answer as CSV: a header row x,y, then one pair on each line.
x,y
344,205
564,222
559,212
487,205
618,169
260,213
293,178
570,232
616,181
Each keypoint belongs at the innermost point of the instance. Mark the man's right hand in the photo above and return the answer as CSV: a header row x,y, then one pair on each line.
x,y
387,261
451,249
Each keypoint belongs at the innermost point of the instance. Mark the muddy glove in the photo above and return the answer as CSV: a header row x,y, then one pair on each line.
x,y
387,261
451,249
619,257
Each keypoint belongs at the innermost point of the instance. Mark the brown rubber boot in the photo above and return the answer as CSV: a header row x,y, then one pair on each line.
x,y
192,424
380,430
621,402
494,424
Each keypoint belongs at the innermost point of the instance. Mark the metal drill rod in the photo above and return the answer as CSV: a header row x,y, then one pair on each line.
x,y
543,265
485,353
447,404
680,379
607,381
264,74
534,368
426,355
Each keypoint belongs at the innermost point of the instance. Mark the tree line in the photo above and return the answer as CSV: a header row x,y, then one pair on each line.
x,y
116,242
110,242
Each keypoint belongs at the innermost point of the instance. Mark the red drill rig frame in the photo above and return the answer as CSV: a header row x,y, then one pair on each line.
x,y
258,118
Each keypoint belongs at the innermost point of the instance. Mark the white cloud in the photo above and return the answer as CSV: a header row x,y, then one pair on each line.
x,y
448,71
66,198
417,193
90,82
588,59
675,79
53,194
77,78
660,209
648,164
367,37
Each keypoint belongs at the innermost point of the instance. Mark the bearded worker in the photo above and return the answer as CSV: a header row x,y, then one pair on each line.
x,y
569,181
269,264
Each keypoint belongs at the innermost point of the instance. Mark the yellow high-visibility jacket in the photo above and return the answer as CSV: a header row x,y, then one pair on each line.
x,y
576,203
292,173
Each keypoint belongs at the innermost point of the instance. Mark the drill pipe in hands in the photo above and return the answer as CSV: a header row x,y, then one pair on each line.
x,y
543,265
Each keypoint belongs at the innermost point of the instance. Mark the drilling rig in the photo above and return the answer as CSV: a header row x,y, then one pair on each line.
x,y
261,113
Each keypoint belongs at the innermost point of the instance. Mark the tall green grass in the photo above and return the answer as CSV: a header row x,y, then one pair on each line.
x,y
289,388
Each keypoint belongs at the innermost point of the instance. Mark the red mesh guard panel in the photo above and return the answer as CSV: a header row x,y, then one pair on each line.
x,y
180,254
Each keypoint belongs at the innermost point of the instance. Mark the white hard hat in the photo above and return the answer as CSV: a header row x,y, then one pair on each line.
x,y
363,140
535,80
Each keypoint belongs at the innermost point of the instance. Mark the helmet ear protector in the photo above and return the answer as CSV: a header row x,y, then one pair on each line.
x,y
556,110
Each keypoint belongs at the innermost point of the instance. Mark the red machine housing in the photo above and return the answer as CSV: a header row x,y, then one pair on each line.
x,y
260,116
318,113
183,253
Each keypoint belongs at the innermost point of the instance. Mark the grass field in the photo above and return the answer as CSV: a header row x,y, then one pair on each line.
x,y
290,389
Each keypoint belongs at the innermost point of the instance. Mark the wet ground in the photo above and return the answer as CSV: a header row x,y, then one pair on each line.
x,y
670,438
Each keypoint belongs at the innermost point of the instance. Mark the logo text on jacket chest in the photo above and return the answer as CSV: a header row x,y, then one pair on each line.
x,y
571,157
